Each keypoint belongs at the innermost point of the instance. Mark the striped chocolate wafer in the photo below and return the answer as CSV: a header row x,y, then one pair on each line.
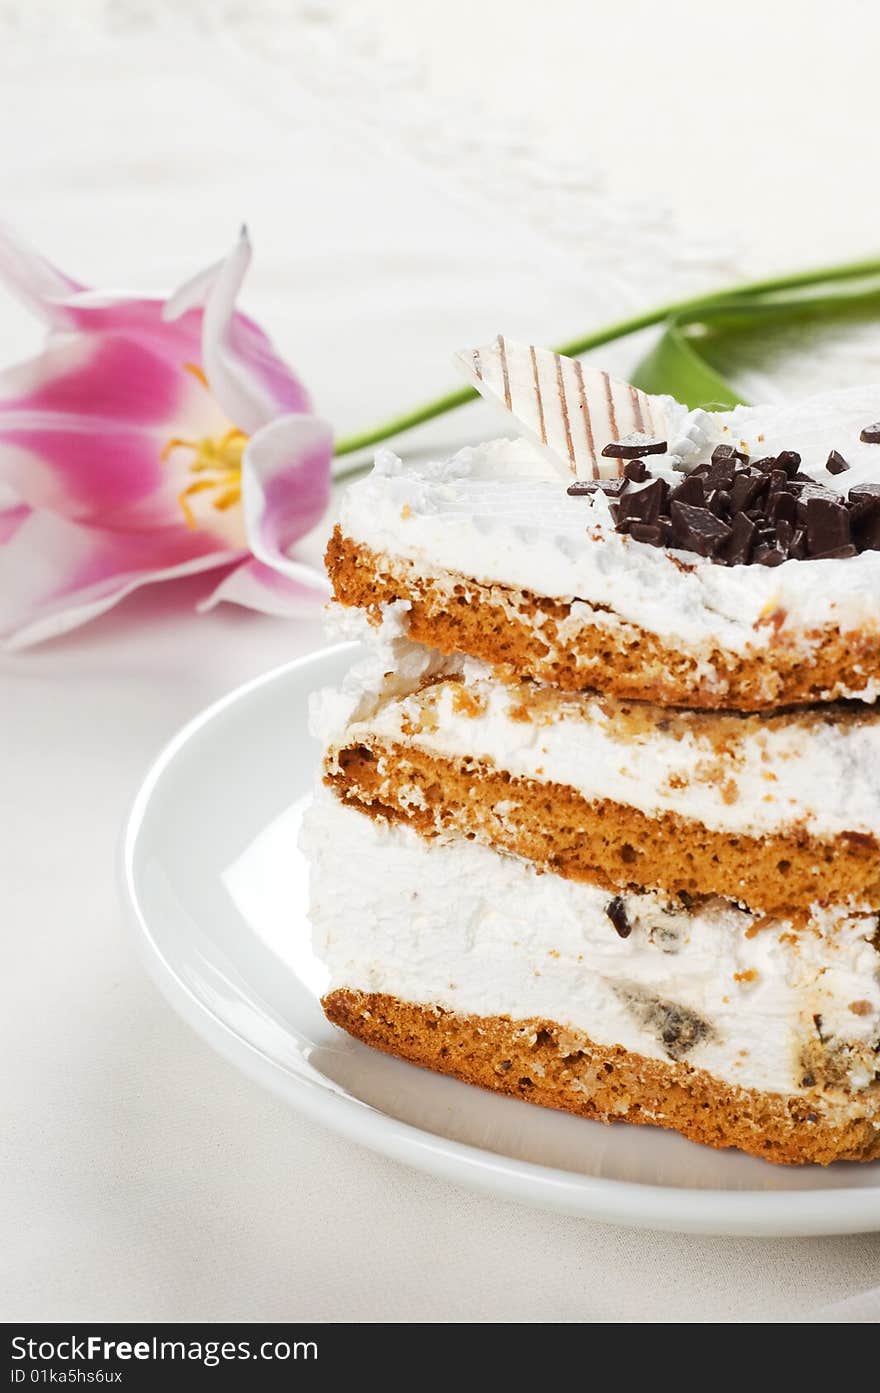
x,y
572,411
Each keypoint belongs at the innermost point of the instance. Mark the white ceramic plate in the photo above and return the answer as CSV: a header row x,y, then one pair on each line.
x,y
218,895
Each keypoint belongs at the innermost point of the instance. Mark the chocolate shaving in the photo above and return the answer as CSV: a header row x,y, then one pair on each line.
x,y
871,434
616,911
835,463
622,449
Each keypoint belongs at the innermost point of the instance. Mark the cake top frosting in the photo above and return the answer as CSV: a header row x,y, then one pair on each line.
x,y
767,484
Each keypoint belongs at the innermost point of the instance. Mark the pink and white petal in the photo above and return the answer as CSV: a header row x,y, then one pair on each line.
x,y
285,491
285,483
34,280
56,574
120,377
260,587
115,312
65,304
84,426
247,375
192,295
11,519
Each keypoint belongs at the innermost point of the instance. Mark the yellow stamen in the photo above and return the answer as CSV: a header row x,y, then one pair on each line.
x,y
218,460
197,372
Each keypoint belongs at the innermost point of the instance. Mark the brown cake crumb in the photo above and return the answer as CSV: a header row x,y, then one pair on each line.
x,y
468,703
861,1008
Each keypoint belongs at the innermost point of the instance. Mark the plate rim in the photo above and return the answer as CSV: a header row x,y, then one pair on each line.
x,y
633,1204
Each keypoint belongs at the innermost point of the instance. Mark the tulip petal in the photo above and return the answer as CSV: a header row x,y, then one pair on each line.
x,y
65,304
259,587
107,433
250,380
84,428
11,519
40,285
56,574
285,487
285,492
192,295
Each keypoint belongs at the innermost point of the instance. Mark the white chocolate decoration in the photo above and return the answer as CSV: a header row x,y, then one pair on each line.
x,y
569,410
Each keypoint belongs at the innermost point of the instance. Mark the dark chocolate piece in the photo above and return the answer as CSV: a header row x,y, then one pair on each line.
x,y
746,488
616,911
783,506
871,434
693,490
642,505
724,452
835,463
798,546
612,487
636,471
834,554
697,529
768,556
827,526
811,491
737,549
866,533
720,474
618,449
784,534
789,461
862,507
650,532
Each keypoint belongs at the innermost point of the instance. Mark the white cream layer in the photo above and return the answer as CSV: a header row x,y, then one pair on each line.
x,y
457,925
819,773
499,513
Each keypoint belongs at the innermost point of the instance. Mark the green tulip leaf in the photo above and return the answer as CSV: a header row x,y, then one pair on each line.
x,y
684,362
676,368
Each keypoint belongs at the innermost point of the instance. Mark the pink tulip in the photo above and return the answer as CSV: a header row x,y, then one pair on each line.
x,y
151,439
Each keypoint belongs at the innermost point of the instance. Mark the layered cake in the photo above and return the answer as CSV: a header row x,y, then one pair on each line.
x,y
600,808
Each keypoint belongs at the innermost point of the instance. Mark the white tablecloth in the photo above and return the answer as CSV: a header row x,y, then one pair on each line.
x,y
416,177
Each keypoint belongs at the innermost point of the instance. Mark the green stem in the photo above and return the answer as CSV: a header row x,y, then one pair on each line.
x,y
622,329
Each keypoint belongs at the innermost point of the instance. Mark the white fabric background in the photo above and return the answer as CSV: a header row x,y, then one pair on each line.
x,y
416,176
